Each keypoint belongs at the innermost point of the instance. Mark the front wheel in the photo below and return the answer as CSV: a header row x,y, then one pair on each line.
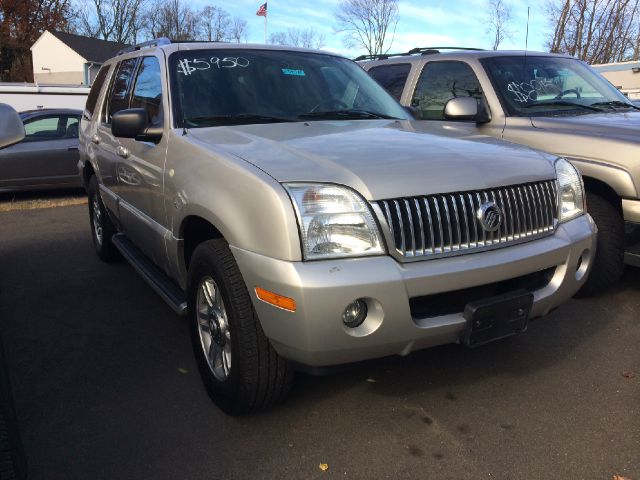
x,y
239,367
608,264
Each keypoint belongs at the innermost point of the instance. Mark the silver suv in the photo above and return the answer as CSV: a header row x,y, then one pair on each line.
x,y
551,102
286,203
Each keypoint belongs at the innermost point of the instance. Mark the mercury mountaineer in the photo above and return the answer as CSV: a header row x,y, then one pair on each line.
x,y
287,204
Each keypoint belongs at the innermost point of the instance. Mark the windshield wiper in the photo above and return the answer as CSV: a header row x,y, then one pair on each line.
x,y
237,119
352,113
562,103
615,103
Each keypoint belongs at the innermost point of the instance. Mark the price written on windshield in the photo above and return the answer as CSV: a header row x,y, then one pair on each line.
x,y
188,66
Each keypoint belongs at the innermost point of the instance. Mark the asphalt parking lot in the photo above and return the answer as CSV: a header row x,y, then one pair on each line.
x,y
106,387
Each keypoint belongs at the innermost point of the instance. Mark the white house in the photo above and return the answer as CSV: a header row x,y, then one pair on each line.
x,y
624,75
65,58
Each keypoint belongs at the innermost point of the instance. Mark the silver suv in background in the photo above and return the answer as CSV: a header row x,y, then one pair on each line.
x,y
288,205
550,102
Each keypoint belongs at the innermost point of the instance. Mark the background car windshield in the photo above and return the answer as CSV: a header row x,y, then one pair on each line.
x,y
548,85
225,87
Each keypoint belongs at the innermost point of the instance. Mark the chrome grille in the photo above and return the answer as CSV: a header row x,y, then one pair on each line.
x,y
448,224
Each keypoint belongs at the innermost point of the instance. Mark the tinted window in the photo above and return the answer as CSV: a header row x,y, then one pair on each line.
x,y
439,83
44,128
260,86
94,93
119,99
147,92
392,77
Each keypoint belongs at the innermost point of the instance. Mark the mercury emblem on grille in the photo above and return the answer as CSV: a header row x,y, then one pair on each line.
x,y
490,216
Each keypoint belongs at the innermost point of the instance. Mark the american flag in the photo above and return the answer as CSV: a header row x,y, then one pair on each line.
x,y
262,11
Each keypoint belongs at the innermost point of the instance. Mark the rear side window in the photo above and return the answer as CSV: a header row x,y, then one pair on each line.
x,y
147,92
439,83
71,127
119,98
392,77
94,93
45,128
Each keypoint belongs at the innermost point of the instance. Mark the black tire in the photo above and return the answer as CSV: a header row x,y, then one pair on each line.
x,y
101,234
608,264
258,378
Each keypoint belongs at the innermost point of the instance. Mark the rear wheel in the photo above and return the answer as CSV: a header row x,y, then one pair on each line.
x,y
240,369
102,228
608,264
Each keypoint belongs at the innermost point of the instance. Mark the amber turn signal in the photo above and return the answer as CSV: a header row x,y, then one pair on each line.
x,y
276,300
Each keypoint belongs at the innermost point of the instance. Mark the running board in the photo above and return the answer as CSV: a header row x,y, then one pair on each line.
x,y
632,259
632,255
155,277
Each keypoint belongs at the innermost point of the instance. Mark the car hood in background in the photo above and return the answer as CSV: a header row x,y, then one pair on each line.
x,y
619,125
379,158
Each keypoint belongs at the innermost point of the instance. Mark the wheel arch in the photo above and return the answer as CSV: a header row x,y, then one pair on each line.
x,y
87,172
602,189
194,230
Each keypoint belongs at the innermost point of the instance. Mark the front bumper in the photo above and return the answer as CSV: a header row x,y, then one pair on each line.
x,y
314,334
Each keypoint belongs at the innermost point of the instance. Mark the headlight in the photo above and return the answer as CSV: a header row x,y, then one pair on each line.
x,y
334,222
570,191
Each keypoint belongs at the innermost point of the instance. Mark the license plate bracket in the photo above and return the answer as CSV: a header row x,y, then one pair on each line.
x,y
497,317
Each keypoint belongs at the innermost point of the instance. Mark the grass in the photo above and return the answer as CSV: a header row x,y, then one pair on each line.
x,y
37,200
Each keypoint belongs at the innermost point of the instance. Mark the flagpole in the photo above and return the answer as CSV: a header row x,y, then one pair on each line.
x,y
265,29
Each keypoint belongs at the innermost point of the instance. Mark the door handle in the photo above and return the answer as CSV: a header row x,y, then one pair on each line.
x,y
95,139
72,149
122,151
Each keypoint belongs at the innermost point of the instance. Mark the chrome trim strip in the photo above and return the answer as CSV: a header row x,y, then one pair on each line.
x,y
403,249
422,235
413,235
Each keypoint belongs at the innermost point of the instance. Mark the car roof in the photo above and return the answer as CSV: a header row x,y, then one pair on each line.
x,y
50,111
170,47
456,54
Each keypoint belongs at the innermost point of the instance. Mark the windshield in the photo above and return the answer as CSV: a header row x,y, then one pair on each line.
x,y
232,87
530,86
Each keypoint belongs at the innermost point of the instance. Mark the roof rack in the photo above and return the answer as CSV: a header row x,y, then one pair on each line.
x,y
381,56
433,50
156,42
413,51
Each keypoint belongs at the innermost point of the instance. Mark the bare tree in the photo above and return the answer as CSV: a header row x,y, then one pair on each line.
x,y
115,20
366,23
172,18
497,21
597,31
298,37
239,31
310,38
278,38
216,24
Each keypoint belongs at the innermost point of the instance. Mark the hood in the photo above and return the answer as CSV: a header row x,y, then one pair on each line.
x,y
616,125
378,158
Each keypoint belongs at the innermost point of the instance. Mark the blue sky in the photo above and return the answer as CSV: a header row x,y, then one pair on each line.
x,y
433,23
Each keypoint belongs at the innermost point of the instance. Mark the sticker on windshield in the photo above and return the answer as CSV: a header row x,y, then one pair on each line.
x,y
295,73
188,66
526,92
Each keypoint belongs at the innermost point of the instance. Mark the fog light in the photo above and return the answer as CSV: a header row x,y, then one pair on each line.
x,y
354,314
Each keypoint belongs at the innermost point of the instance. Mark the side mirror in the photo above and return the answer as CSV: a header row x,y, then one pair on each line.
x,y
466,109
461,108
11,126
134,123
